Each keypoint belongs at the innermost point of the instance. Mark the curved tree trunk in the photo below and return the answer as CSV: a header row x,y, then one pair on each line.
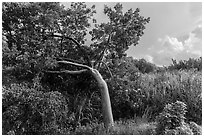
x,y
106,104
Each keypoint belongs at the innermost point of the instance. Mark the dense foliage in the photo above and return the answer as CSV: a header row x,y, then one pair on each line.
x,y
172,121
29,110
191,63
145,96
35,101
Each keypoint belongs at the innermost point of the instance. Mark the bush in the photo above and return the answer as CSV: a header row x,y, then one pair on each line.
x,y
29,110
171,117
184,129
196,129
172,121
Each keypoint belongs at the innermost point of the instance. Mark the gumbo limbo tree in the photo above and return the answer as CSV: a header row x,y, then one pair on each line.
x,y
49,39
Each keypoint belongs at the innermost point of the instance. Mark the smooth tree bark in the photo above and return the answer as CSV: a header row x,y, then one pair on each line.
x,y
106,104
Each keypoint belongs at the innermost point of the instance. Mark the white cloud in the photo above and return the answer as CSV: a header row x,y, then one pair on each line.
x,y
171,47
148,58
172,43
191,42
159,39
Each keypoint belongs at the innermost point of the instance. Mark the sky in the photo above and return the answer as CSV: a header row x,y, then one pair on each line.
x,y
174,30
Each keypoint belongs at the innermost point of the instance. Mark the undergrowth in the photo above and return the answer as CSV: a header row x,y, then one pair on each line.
x,y
173,97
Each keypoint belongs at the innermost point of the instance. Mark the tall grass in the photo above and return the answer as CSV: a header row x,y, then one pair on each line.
x,y
137,126
160,89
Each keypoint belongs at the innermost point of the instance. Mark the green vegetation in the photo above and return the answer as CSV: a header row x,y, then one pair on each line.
x,y
40,97
32,110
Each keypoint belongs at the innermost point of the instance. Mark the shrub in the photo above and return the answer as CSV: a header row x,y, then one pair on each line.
x,y
171,118
196,129
28,110
172,121
184,129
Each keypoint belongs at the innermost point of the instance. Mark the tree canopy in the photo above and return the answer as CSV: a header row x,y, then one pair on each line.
x,y
28,30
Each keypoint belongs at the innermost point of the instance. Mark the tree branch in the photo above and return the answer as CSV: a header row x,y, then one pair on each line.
x,y
78,46
108,69
100,57
68,72
103,52
73,40
74,64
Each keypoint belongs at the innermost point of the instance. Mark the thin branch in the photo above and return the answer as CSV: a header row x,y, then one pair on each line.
x,y
108,69
68,72
75,64
67,59
103,52
109,37
78,46
73,40
10,36
100,58
59,28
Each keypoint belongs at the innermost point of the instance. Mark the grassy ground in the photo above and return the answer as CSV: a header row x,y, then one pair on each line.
x,y
129,127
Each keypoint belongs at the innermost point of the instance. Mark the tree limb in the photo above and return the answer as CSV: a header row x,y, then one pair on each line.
x,y
68,72
100,58
103,52
59,36
108,69
74,64
78,46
